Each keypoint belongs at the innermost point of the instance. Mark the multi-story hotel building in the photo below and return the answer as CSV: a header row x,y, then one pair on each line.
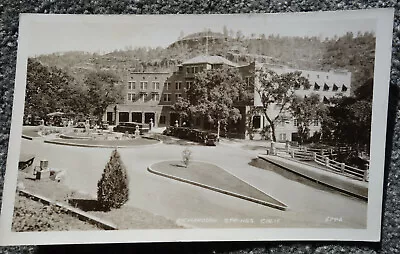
x,y
326,84
150,95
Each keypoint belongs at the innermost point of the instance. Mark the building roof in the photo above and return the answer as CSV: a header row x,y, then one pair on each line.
x,y
210,60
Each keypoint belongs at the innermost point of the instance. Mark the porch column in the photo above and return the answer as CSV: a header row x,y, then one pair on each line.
x,y
116,117
155,120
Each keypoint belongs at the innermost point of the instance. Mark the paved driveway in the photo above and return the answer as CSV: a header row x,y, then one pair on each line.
x,y
198,207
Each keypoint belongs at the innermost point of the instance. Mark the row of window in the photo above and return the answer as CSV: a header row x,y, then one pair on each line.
x,y
155,77
154,97
317,87
257,122
143,85
315,122
193,69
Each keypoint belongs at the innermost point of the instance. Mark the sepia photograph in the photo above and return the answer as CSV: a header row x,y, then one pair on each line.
x,y
232,127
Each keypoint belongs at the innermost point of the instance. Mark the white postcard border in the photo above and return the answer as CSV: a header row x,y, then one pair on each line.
x,y
384,18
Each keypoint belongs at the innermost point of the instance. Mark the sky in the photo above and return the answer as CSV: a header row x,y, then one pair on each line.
x,y
101,33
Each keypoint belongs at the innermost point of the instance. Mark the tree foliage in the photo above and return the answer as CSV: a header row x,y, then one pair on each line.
x,y
278,91
305,110
49,90
113,187
349,120
103,90
215,95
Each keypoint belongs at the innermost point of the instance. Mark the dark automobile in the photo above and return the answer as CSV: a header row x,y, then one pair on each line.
x,y
211,140
130,127
80,125
104,125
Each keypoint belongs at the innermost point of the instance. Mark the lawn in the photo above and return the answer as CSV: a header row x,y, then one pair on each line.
x,y
126,217
213,176
31,132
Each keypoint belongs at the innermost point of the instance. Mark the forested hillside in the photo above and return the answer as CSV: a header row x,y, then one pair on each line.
x,y
351,52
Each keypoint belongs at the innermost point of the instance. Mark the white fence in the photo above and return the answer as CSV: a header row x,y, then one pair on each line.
x,y
322,158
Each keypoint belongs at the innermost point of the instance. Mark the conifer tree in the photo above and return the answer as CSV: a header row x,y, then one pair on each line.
x,y
113,187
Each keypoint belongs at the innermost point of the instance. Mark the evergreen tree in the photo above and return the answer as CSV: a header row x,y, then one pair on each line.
x,y
113,187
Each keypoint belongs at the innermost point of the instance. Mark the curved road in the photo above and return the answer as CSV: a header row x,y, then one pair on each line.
x,y
197,207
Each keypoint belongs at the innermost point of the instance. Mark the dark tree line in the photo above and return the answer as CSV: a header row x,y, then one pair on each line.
x,y
49,89
349,120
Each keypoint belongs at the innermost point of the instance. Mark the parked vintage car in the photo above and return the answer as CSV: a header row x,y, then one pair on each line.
x,y
80,125
211,140
130,127
104,125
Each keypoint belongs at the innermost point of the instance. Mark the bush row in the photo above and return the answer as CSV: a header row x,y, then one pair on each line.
x,y
190,134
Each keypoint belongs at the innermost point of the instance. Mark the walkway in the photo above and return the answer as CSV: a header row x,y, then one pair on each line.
x,y
342,183
199,207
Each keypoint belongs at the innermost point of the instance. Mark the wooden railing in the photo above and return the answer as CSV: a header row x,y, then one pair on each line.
x,y
341,167
322,158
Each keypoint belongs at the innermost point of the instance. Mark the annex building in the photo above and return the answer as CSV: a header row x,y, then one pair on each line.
x,y
149,96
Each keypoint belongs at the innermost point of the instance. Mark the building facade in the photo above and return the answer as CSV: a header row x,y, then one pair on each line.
x,y
151,95
326,84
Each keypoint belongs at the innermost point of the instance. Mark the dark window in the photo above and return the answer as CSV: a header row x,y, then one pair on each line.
x,y
326,87
173,118
109,117
162,119
124,116
316,86
335,88
256,122
149,116
137,117
344,88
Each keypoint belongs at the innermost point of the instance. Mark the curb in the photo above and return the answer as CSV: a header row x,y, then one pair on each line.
x,y
27,137
81,215
350,193
98,146
261,202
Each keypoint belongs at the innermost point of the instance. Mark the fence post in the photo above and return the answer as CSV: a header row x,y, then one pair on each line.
x,y
273,149
366,176
315,156
327,161
342,167
292,153
322,151
287,146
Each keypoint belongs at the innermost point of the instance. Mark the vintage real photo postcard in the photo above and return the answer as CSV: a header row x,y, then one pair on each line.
x,y
237,127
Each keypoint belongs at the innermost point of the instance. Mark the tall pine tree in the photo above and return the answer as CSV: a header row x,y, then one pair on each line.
x,y
113,187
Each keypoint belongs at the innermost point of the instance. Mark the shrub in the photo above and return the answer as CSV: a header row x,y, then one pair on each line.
x,y
186,156
113,187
